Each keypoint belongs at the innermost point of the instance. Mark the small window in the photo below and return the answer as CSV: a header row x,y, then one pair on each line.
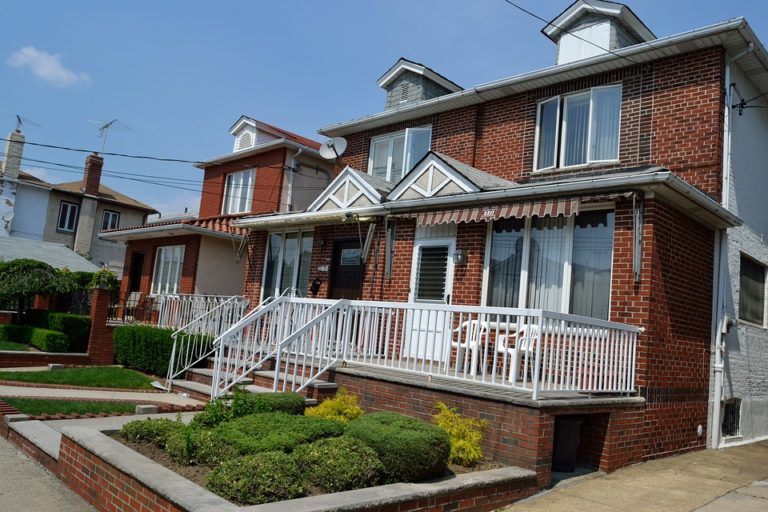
x,y
752,291
731,418
67,216
238,193
169,261
394,155
110,220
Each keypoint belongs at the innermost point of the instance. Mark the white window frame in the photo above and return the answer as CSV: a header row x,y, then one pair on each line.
x,y
407,164
565,299
561,128
162,269
230,197
279,276
73,209
107,216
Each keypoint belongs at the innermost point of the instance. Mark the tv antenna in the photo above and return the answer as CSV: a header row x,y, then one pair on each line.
x,y
105,126
333,148
23,121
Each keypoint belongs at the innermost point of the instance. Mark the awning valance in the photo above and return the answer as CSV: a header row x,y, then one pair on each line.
x,y
542,208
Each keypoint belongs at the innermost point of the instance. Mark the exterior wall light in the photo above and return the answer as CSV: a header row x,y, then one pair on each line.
x,y
459,256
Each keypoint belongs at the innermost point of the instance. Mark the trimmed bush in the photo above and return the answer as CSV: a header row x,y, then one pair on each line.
x,y
244,403
48,341
143,348
76,327
190,445
155,431
339,464
410,450
215,412
466,435
342,407
255,479
36,318
17,333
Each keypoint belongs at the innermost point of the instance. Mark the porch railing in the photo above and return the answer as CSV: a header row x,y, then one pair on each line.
x,y
175,311
193,342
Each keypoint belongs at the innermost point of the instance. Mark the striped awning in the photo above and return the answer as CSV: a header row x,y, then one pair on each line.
x,y
542,208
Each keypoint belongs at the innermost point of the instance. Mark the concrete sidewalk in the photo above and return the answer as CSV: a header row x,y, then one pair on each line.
x,y
96,394
731,479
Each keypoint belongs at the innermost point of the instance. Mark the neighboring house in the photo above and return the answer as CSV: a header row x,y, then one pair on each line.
x,y
56,255
72,213
556,247
269,170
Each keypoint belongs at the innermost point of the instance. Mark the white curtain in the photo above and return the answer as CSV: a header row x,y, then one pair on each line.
x,y
576,129
591,264
506,260
545,267
606,106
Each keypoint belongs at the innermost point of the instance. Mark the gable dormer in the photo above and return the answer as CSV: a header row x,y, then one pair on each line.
x,y
408,82
586,29
250,133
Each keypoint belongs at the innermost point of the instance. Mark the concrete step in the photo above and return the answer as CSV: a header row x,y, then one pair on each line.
x,y
193,389
318,389
205,376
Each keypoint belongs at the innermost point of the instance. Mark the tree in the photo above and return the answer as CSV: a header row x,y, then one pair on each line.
x,y
23,278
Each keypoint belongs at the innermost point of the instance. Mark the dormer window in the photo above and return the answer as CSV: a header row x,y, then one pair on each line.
x,y
393,155
578,129
238,192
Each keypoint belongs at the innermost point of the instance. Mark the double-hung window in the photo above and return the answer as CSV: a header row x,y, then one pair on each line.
x,y
751,291
578,129
393,155
554,263
67,216
169,261
238,192
288,263
110,220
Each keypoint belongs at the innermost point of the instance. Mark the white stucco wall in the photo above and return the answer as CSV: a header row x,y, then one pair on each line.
x,y
31,207
217,271
746,359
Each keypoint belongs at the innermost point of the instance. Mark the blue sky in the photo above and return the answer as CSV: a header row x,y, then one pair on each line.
x,y
178,74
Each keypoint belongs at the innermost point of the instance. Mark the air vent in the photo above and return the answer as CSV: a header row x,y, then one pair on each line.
x,y
244,141
404,87
732,418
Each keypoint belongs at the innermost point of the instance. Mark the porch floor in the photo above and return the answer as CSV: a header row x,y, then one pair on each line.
x,y
486,390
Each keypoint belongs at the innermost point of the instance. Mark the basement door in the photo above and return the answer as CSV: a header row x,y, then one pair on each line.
x,y
431,283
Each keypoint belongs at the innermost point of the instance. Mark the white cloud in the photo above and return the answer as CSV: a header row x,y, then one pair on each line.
x,y
46,66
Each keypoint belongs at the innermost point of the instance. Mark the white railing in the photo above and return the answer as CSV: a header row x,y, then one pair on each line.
x,y
193,341
176,311
256,337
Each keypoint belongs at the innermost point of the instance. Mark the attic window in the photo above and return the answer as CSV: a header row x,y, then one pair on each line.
x,y
244,141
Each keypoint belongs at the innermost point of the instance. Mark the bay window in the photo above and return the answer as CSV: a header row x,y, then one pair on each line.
x,y
169,261
238,192
394,155
553,263
578,129
287,263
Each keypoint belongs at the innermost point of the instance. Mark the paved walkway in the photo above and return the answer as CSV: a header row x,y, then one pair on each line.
x,y
732,479
26,486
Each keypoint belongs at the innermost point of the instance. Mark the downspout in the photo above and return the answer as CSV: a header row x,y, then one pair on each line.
x,y
293,169
721,324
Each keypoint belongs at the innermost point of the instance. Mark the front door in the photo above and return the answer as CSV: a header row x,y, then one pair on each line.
x,y
134,276
431,284
346,270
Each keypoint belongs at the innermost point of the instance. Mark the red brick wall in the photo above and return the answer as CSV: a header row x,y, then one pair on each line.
x,y
149,247
269,181
254,265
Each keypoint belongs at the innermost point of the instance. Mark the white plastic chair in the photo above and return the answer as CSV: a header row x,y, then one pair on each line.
x,y
471,334
523,342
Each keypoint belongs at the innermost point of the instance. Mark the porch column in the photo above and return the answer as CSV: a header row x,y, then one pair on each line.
x,y
101,348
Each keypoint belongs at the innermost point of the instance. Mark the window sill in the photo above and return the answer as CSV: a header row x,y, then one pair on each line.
x,y
753,324
597,166
65,231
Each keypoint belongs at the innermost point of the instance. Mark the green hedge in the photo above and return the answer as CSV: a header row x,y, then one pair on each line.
x,y
339,464
76,327
410,450
143,348
17,333
48,341
261,478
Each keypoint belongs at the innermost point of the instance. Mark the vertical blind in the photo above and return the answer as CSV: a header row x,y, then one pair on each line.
x,y
239,192
605,123
506,260
168,264
288,263
575,129
547,257
591,264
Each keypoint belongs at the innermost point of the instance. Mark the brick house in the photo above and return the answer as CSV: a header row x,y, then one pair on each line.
x,y
269,170
567,246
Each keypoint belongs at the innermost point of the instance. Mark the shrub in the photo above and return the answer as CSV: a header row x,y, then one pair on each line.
x,y
255,479
36,318
143,348
48,341
76,327
343,407
17,333
339,464
155,431
466,435
410,450
215,412
190,445
244,403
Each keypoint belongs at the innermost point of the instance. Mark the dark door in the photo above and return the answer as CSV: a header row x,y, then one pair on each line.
x,y
346,270
134,277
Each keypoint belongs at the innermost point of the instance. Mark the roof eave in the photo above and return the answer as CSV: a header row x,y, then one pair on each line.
x,y
168,230
262,148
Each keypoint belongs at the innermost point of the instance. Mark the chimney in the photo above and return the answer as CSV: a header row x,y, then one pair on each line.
x,y
92,174
13,151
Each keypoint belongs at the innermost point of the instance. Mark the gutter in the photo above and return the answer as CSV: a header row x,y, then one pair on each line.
x,y
118,235
262,148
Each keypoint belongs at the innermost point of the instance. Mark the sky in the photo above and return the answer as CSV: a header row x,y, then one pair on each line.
x,y
177,74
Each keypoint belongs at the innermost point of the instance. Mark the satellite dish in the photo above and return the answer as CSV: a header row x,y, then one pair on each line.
x,y
333,148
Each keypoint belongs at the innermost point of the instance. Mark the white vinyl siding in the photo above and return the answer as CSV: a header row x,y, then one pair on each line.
x,y
169,261
67,216
393,155
238,192
578,129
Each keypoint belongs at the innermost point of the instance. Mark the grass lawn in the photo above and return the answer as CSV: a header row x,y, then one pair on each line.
x,y
97,377
34,406
12,345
